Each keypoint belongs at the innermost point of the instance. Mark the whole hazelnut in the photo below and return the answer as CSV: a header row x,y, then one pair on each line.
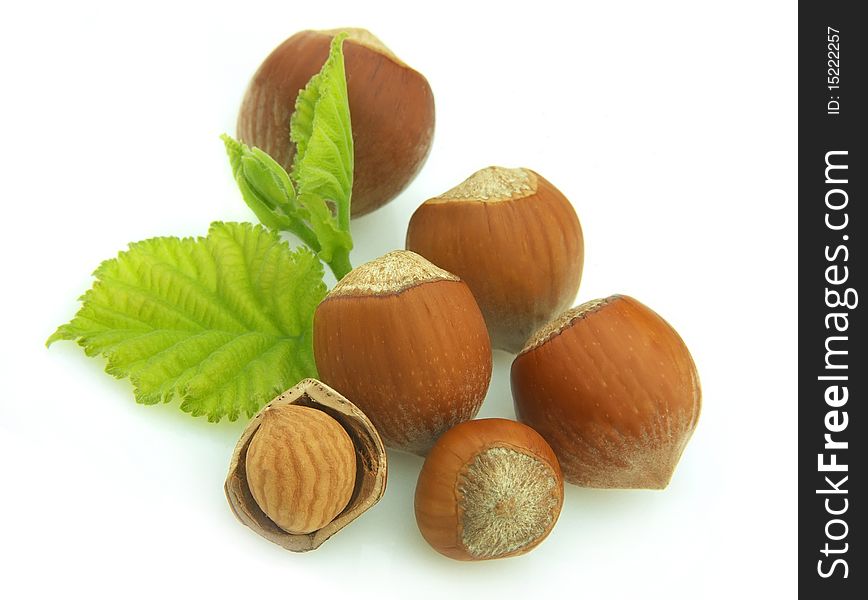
x,y
306,465
406,341
516,241
490,488
612,387
391,107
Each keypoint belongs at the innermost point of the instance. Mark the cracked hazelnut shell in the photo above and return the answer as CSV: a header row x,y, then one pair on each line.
x,y
391,108
613,389
406,341
490,488
302,468
514,239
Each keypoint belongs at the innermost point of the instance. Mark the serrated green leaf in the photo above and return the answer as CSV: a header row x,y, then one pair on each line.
x,y
222,323
313,200
321,129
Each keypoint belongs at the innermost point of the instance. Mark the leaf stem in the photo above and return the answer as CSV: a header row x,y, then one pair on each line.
x,y
304,233
340,263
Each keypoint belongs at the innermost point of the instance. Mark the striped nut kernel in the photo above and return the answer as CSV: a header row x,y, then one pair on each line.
x,y
307,465
490,488
612,387
406,341
516,241
301,468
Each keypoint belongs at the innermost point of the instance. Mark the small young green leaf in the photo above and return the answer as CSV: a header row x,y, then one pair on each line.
x,y
267,190
222,323
321,129
313,201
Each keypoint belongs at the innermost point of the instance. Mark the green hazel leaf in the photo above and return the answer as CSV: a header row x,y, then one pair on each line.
x,y
267,190
322,169
222,323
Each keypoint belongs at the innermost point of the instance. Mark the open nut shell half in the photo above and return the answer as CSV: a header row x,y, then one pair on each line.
x,y
371,467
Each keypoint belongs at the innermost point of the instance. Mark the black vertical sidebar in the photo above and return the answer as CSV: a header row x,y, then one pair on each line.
x,y
833,367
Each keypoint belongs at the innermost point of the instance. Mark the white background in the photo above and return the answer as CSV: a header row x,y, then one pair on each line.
x,y
670,125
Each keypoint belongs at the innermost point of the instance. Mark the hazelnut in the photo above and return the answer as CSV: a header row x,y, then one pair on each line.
x,y
612,387
490,488
301,467
406,341
306,465
516,241
391,107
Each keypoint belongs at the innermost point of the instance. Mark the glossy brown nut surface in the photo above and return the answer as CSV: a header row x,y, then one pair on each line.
x,y
406,341
514,239
612,387
391,108
489,488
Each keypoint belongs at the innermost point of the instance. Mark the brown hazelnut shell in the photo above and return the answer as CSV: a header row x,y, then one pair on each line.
x,y
613,389
406,341
371,467
442,497
391,108
516,241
